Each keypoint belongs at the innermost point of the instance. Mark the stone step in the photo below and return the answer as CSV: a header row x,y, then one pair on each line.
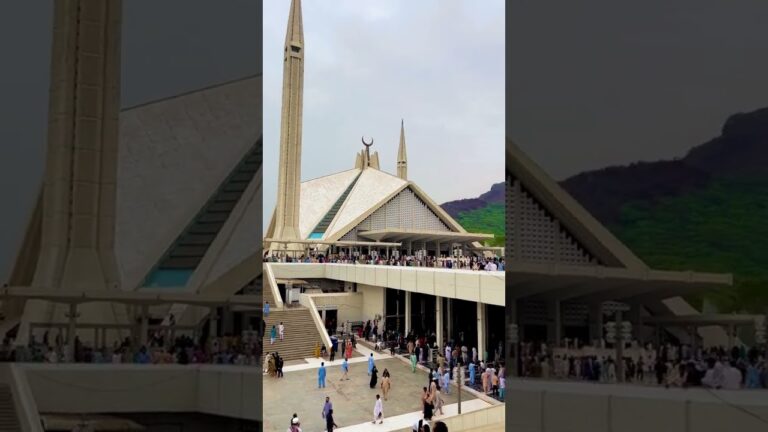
x,y
9,421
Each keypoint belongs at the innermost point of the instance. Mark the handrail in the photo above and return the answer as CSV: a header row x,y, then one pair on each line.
x,y
272,285
307,301
26,408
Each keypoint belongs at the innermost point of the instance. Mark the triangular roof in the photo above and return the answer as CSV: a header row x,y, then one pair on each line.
x,y
319,195
165,148
573,216
372,189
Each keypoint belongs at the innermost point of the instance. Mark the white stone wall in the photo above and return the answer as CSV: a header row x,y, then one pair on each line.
x,y
82,388
348,305
373,301
571,407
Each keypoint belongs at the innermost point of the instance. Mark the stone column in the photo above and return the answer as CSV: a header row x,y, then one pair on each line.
x,y
213,328
72,330
144,325
481,323
558,323
731,333
407,311
439,320
595,321
449,318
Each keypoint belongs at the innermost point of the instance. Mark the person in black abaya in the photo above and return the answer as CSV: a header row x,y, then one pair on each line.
x,y
374,377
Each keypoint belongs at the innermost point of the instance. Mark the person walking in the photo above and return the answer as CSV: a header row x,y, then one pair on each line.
x,y
370,364
295,425
344,370
502,386
413,361
374,377
329,423
438,402
321,376
349,349
447,382
327,407
281,330
266,309
472,371
386,384
378,411
272,335
427,404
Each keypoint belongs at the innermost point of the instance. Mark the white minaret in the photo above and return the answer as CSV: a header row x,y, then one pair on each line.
x,y
402,158
77,234
289,174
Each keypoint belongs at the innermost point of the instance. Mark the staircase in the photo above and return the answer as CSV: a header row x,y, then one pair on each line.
x,y
301,335
325,222
9,421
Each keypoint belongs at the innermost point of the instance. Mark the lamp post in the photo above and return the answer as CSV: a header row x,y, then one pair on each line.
x,y
460,375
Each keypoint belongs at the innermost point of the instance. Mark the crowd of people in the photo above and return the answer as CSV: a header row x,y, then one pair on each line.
x,y
442,261
183,349
669,365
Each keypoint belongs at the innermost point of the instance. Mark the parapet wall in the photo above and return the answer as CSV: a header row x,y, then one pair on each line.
x,y
580,407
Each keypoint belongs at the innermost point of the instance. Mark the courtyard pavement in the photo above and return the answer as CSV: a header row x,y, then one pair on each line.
x,y
352,400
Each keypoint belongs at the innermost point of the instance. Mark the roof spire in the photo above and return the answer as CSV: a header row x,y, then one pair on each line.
x,y
402,158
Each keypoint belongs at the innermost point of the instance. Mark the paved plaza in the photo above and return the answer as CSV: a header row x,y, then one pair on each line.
x,y
352,400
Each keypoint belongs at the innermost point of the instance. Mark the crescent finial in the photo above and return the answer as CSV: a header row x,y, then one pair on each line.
x,y
365,143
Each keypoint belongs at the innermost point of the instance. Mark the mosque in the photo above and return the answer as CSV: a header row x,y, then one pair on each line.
x,y
366,212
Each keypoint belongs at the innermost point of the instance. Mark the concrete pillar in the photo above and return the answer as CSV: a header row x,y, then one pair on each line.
x,y
72,330
410,247
481,323
596,321
731,333
439,320
407,312
144,325
558,335
449,318
512,354
637,321
694,339
213,320
554,322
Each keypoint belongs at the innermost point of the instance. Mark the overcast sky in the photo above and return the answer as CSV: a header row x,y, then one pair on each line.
x,y
168,47
437,64
592,83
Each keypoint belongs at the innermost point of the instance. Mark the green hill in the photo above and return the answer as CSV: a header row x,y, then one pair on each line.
x,y
489,220
705,211
720,228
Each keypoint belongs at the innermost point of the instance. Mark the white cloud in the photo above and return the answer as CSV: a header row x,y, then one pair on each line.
x,y
437,64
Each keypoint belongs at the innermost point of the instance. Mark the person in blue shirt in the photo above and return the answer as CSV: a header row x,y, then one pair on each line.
x,y
266,309
472,372
370,364
142,357
447,382
344,369
321,376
